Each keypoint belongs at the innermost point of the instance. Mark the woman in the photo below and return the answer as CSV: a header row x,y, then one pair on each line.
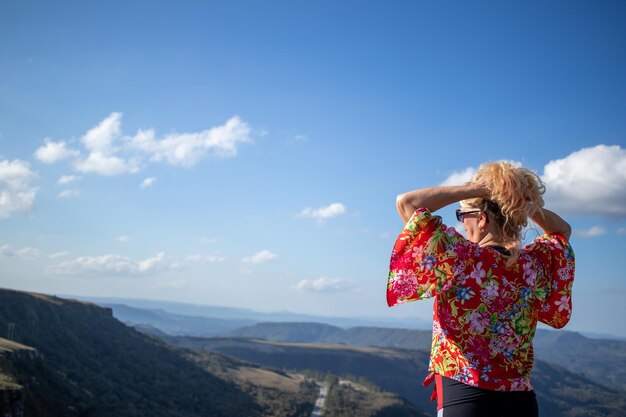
x,y
488,292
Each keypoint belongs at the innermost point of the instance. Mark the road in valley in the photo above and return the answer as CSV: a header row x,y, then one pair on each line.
x,y
319,404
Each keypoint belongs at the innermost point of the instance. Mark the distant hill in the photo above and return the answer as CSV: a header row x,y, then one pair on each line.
x,y
175,324
90,364
71,358
232,313
289,332
560,393
602,361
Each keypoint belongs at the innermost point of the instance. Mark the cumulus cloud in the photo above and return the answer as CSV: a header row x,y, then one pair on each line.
x,y
26,253
67,179
260,257
68,193
52,152
148,182
186,149
322,213
589,181
57,255
103,142
102,137
113,265
100,163
107,151
593,231
17,195
123,238
325,284
460,177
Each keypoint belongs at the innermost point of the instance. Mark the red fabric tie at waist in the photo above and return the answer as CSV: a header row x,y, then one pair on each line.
x,y
437,389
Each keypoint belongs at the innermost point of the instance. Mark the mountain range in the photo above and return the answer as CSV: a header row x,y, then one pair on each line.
x,y
602,361
560,393
253,316
73,358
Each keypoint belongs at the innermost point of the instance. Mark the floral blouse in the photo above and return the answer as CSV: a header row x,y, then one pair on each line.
x,y
486,309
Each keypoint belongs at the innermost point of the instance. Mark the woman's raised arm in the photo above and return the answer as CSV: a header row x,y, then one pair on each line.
x,y
550,222
434,198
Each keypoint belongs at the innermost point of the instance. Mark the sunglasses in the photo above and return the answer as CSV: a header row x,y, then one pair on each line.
x,y
460,214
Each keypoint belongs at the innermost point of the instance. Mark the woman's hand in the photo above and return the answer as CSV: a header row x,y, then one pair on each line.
x,y
434,198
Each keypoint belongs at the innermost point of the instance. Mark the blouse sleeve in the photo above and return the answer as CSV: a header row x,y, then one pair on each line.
x,y
423,258
557,257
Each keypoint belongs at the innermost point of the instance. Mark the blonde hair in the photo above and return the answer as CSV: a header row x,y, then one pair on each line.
x,y
515,196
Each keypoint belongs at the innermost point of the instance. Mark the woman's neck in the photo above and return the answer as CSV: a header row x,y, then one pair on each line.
x,y
490,240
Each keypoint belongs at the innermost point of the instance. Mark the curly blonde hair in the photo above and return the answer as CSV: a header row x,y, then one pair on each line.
x,y
515,196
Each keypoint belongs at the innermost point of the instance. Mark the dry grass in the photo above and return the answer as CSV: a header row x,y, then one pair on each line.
x,y
335,346
11,346
266,378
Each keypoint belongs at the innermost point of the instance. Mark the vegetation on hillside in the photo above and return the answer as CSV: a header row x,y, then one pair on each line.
x,y
90,364
560,393
348,399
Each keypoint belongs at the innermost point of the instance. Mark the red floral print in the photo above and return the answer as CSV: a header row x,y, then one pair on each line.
x,y
486,308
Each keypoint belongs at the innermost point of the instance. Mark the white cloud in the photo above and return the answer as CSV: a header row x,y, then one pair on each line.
x,y
593,231
5,250
16,193
52,152
123,238
68,193
113,265
212,258
110,152
186,149
460,177
104,164
148,182
621,231
325,284
260,257
332,210
57,255
26,253
67,179
590,181
103,144
103,137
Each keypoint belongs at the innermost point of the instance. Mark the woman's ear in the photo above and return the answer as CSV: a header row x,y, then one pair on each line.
x,y
483,221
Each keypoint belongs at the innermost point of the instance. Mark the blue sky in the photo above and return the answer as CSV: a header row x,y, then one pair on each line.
x,y
249,153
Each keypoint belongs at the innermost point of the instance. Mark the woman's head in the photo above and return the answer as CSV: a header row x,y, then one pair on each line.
x,y
515,195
